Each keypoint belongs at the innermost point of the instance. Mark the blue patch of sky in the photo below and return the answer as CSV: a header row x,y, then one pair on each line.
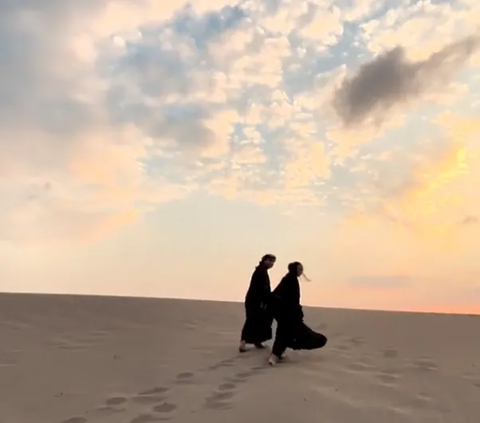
x,y
300,74
202,29
274,146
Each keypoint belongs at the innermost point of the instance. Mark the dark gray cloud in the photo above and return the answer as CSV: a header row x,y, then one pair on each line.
x,y
390,79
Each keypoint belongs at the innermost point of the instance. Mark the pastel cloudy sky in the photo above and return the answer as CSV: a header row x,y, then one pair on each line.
x,y
160,148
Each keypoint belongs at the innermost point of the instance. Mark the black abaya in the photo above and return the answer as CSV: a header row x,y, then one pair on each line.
x,y
258,323
292,332
307,339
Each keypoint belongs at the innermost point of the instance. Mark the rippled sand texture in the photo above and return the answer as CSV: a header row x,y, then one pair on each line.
x,y
67,359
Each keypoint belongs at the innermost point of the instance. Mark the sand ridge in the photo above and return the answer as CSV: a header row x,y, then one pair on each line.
x,y
75,359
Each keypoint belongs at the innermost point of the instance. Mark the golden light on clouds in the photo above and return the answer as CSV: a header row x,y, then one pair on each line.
x,y
361,123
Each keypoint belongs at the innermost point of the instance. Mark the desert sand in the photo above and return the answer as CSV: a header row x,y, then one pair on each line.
x,y
80,359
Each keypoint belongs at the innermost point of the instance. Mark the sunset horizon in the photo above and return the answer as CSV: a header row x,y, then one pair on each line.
x,y
160,150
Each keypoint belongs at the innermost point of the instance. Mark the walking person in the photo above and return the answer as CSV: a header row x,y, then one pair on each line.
x,y
258,324
291,332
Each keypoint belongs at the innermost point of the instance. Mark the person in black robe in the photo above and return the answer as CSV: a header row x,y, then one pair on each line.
x,y
291,332
258,324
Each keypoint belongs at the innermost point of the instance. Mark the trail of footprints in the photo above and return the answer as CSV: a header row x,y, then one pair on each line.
x,y
155,401
221,398
155,404
160,409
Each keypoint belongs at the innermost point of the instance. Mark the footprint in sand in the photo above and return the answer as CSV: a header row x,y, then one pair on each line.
x,y
220,400
158,397
227,386
390,353
242,377
228,362
115,405
155,397
166,407
185,378
116,401
112,405
161,412
151,396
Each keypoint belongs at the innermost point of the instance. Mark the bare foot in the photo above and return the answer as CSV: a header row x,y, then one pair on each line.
x,y
273,360
242,347
260,346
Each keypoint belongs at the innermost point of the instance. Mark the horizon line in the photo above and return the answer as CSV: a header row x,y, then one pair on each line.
x,y
132,296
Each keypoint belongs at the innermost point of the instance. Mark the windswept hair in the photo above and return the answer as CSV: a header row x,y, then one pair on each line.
x,y
268,257
292,268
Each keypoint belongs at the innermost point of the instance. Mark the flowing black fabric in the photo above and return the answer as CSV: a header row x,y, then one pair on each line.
x,y
258,323
307,339
285,302
292,332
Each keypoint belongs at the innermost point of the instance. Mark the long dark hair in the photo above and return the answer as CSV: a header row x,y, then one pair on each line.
x,y
267,257
292,268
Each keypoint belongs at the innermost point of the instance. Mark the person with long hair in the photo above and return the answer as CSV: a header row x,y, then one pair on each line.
x,y
291,332
258,323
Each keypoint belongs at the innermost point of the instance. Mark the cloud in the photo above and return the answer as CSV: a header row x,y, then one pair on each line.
x,y
390,80
58,132
415,189
118,106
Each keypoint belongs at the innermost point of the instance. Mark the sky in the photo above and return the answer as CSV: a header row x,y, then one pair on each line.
x,y
160,149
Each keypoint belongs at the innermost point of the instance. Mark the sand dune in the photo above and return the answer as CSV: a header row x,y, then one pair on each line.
x,y
68,359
